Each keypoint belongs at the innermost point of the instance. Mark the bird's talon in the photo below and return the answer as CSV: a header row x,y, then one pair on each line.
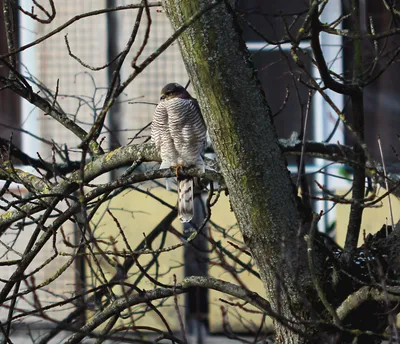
x,y
177,168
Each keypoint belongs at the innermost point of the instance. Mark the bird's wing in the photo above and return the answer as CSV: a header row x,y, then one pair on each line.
x,y
159,124
161,136
187,129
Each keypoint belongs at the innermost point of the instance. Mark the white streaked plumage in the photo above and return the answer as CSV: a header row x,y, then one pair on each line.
x,y
179,133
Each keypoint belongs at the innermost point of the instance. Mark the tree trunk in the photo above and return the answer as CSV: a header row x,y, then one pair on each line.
x,y
244,138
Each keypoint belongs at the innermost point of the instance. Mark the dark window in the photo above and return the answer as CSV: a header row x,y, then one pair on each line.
x,y
9,102
381,97
272,18
266,22
278,75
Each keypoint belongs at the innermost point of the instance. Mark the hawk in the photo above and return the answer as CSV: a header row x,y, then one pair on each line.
x,y
179,133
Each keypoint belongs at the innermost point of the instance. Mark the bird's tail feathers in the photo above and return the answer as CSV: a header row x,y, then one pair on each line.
x,y
169,182
185,200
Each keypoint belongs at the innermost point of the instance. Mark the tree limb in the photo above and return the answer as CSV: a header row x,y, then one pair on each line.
x,y
194,281
355,300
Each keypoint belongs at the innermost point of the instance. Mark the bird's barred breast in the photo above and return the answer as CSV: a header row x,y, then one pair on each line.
x,y
185,113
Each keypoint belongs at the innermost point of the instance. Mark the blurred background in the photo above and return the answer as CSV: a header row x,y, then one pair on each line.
x,y
97,40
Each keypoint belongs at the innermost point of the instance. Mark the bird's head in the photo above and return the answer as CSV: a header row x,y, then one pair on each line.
x,y
174,90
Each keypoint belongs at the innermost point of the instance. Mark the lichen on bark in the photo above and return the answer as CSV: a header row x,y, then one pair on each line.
x,y
244,138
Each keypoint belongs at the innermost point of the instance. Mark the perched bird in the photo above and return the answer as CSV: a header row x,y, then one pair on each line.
x,y
179,133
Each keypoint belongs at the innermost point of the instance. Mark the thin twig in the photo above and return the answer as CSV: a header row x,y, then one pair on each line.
x,y
85,64
181,326
75,19
386,183
303,146
310,252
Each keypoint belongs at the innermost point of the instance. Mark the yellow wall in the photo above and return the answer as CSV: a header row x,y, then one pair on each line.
x,y
138,213
373,218
239,319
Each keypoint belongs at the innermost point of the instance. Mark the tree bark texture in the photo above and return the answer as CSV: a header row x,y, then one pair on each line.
x,y
241,128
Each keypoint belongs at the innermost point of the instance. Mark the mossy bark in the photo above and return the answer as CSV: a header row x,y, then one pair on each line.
x,y
240,125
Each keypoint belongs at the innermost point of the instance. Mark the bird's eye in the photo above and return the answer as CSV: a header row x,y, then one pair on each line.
x,y
166,94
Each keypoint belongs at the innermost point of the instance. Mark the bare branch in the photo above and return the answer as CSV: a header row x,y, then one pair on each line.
x,y
50,16
76,18
195,281
362,295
